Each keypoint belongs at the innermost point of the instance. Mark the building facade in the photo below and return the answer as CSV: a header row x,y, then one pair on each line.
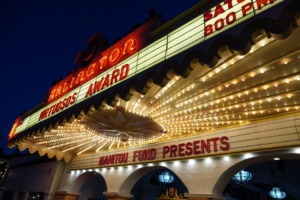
x,y
177,110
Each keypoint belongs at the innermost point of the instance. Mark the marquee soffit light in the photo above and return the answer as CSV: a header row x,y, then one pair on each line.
x,y
122,126
166,177
242,176
276,193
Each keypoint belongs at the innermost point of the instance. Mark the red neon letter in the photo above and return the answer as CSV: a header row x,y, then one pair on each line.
x,y
51,96
80,77
102,62
129,46
90,70
114,55
65,87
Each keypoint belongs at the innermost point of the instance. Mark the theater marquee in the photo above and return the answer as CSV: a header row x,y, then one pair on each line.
x,y
132,55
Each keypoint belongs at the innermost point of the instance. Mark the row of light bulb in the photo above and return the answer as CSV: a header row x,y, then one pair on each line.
x,y
246,92
210,74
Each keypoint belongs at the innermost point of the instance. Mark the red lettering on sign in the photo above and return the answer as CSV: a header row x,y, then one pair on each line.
x,y
208,15
225,144
114,55
196,147
221,22
170,151
59,106
107,59
246,8
181,149
189,149
144,155
219,10
262,3
121,158
108,80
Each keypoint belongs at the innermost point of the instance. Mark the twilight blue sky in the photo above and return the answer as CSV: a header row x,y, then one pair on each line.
x,y
40,39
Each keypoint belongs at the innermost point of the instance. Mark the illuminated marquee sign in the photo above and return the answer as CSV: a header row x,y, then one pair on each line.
x,y
106,60
181,150
129,56
96,86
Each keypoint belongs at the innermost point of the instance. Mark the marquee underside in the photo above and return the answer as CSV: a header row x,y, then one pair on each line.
x,y
261,84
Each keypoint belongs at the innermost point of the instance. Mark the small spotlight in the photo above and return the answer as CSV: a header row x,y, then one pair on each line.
x,y
297,150
226,158
248,155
